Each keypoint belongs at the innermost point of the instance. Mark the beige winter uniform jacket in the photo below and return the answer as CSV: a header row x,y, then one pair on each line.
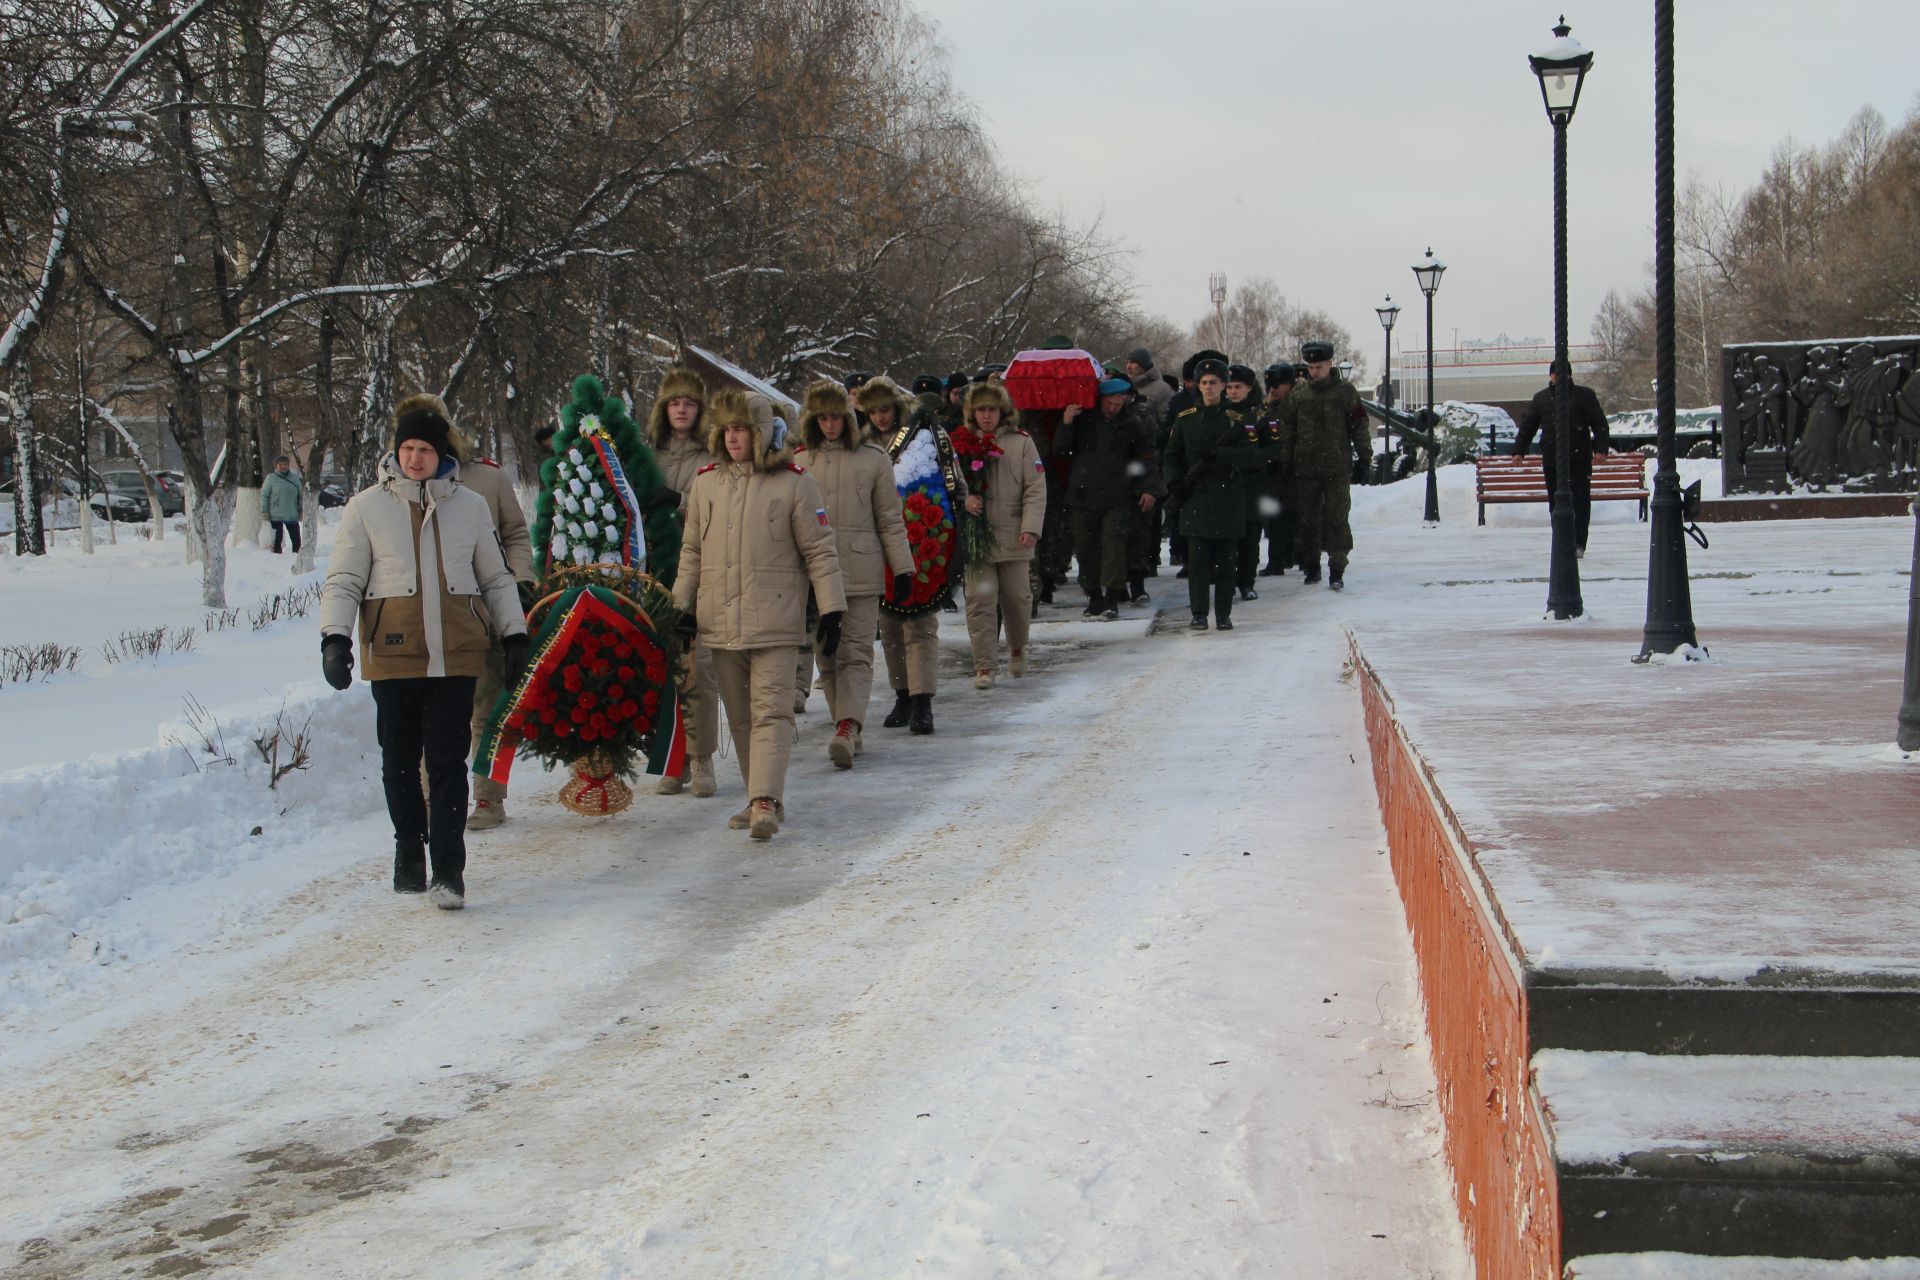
x,y
1016,494
856,480
756,535
420,564
516,542
681,460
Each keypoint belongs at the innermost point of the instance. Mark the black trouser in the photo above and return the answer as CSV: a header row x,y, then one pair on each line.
x,y
1211,563
1249,566
1581,482
428,715
292,528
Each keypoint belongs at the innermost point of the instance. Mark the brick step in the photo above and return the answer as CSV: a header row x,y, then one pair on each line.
x,y
1785,1157
1693,1266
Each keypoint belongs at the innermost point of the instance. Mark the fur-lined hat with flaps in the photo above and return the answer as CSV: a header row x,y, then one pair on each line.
x,y
680,381
990,395
882,391
771,447
823,398
416,415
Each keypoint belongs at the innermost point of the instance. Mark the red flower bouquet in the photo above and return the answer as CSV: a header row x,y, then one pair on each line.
x,y
976,450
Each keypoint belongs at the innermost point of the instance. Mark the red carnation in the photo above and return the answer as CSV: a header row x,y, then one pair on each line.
x,y
629,709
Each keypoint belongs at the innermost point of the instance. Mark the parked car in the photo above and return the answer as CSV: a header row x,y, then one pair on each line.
x,y
335,490
172,494
124,507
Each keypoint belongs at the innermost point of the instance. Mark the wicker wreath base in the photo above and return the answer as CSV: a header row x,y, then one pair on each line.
x,y
595,791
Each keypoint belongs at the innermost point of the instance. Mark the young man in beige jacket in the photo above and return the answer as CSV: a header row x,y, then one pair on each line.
x,y
855,476
757,536
417,563
679,441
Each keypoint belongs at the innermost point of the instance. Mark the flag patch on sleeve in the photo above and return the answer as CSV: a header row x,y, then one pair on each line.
x,y
821,516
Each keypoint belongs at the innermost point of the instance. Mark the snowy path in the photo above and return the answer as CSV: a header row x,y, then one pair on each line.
x,y
1107,978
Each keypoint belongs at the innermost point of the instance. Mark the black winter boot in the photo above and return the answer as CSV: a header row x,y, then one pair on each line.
x,y
1137,590
409,866
902,707
921,720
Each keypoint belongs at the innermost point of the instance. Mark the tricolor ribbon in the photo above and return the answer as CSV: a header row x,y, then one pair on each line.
x,y
635,549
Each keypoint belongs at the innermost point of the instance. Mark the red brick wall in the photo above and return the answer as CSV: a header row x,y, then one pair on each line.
x,y
1476,1013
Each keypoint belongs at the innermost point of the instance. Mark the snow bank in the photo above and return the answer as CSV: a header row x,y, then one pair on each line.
x,y
102,857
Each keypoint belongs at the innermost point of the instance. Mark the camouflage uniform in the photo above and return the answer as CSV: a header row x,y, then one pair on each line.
x,y
1322,428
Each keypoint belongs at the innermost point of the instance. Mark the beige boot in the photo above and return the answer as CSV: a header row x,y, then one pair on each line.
x,y
670,784
739,821
489,805
841,749
766,819
702,769
1017,663
983,679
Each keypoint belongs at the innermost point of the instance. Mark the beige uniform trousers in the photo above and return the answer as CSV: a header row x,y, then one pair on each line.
x,y
756,687
486,692
700,707
1003,584
912,646
847,676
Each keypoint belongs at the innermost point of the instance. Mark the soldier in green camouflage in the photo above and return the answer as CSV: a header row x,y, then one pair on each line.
x,y
1322,429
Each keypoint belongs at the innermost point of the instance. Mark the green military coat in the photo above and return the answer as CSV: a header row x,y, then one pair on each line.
x,y
1263,454
1322,429
1207,454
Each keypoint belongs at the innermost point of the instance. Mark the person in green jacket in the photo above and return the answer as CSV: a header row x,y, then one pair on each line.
x,y
1243,397
1206,454
1323,428
280,502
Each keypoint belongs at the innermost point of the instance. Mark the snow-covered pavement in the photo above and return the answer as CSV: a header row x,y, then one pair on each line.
x,y
1108,977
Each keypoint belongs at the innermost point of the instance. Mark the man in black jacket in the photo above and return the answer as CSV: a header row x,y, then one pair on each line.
x,y
1588,424
1115,473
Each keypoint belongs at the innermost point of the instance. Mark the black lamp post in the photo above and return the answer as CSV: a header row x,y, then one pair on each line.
x,y
1669,599
1562,67
1389,312
1908,735
1428,273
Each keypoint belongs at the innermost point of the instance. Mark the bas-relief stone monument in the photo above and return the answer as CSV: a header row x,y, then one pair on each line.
x,y
1838,415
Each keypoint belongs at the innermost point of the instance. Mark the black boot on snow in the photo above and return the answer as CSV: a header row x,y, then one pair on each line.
x,y
921,720
1137,590
902,707
1094,606
1199,622
1110,606
409,866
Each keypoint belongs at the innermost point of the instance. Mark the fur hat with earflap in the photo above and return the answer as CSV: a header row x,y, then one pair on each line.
x,y
732,408
680,381
824,398
881,392
990,395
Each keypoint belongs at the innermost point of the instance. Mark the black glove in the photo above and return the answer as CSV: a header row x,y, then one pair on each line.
x,y
336,660
529,596
688,629
516,649
828,636
902,586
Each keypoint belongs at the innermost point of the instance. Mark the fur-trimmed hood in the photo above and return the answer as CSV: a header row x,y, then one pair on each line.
x,y
680,381
830,397
730,407
988,395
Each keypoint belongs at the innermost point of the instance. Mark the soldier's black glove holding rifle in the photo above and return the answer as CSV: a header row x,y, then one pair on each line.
x,y
828,636
336,660
516,649
902,586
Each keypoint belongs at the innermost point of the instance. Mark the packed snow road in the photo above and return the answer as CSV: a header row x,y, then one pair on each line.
x,y
1106,978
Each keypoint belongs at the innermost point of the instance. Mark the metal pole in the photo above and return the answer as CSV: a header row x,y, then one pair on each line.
x,y
1669,599
1563,574
1386,398
1908,736
1432,515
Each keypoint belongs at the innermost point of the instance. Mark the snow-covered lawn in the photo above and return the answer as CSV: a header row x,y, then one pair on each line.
x,y
1108,977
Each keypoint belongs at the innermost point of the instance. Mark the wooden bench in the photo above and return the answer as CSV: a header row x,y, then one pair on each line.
x,y
1508,478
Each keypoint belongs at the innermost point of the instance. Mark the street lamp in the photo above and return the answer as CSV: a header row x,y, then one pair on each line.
x,y
1669,599
1389,312
1346,370
1562,68
1428,274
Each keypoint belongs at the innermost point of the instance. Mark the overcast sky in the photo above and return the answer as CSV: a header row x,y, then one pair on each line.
x,y
1327,145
